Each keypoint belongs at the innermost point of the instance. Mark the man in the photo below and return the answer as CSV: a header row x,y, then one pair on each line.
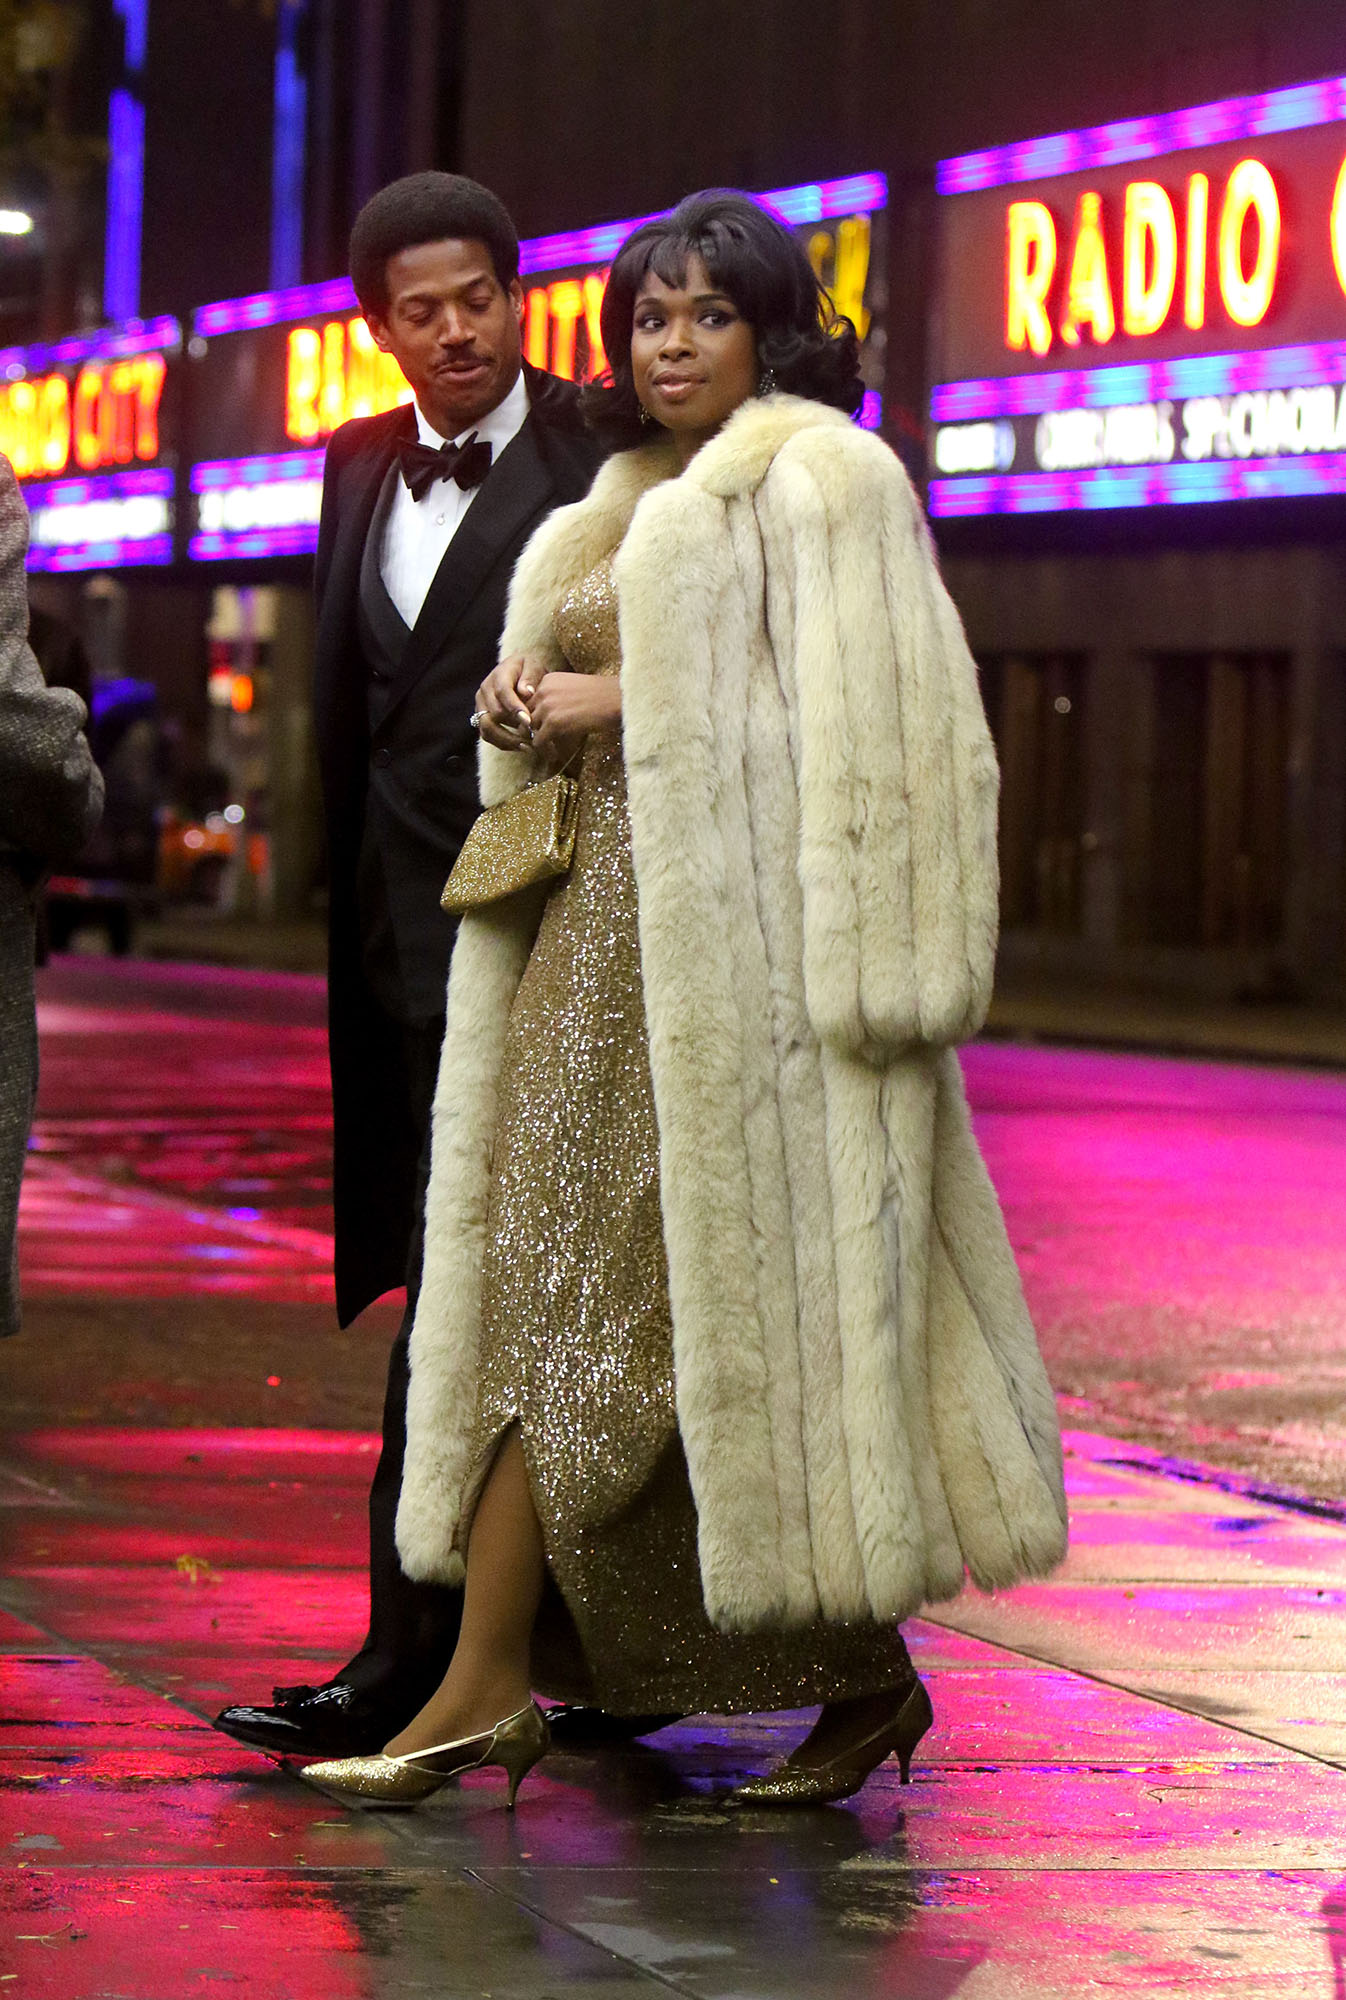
x,y
425,510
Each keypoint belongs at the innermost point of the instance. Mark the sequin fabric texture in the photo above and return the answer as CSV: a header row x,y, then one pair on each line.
x,y
577,1342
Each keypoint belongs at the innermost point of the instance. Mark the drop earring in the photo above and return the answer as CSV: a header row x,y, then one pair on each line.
x,y
645,418
766,382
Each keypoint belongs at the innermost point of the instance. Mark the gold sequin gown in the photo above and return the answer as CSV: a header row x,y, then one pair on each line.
x,y
577,1342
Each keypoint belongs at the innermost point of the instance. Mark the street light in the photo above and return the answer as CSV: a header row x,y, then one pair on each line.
x,y
15,222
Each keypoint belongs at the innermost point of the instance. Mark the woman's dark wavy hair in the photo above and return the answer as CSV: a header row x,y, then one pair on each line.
x,y
755,261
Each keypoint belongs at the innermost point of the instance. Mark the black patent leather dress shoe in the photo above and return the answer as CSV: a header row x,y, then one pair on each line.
x,y
334,1720
576,1727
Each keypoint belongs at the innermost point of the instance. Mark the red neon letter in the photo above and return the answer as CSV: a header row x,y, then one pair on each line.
x,y
119,442
567,303
1251,191
850,272
1339,227
1149,257
18,427
1194,275
302,376
537,316
1030,265
88,396
362,370
332,396
594,287
1089,290
150,371
54,423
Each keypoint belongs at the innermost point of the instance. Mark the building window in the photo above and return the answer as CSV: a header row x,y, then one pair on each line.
x,y
1216,860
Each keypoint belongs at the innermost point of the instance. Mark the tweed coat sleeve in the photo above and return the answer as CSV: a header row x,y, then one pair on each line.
x,y
51,794
897,774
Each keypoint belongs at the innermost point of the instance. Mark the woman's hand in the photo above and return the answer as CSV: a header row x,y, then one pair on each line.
x,y
565,708
502,703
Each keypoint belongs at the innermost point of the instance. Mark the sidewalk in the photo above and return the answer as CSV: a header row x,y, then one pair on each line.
x,y
1134,1786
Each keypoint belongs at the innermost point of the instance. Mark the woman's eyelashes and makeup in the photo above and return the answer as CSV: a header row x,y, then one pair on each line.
x,y
710,313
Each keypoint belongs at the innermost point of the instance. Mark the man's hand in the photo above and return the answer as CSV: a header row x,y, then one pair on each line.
x,y
565,708
502,703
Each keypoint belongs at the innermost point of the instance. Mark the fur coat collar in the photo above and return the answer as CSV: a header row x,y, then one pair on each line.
x,y
812,797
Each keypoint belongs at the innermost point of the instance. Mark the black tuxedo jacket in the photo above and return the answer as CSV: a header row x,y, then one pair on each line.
x,y
421,758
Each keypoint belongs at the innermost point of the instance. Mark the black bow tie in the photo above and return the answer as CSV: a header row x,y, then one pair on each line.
x,y
468,463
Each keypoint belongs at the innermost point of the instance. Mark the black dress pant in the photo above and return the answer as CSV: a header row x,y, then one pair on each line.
x,y
413,1627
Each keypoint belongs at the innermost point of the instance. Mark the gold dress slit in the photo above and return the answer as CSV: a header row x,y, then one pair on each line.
x,y
577,1339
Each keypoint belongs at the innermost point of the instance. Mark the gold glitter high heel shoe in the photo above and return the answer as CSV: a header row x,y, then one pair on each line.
x,y
515,1744
821,1784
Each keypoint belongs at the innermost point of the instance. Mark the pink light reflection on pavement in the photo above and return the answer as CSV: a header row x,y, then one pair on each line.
x,y
1132,1786
178,1148
1182,1187
1211,1851
148,1934
80,1234
1206,1188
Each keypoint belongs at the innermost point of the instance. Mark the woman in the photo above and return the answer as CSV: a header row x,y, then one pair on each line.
x,y
721,1365
50,799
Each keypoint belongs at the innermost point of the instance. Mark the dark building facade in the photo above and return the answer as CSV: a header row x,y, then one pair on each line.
x,y
1164,672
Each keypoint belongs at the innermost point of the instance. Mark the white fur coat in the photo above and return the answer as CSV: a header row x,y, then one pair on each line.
x,y
812,794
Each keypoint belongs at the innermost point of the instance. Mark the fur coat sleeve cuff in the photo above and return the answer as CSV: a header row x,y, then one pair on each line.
x,y
897,775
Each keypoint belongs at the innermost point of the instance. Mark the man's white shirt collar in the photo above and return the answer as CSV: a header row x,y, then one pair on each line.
x,y
496,429
418,532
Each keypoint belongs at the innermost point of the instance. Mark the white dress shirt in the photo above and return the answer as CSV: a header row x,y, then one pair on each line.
x,y
419,531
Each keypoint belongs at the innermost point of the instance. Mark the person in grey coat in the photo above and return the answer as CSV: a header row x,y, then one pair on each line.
x,y
51,796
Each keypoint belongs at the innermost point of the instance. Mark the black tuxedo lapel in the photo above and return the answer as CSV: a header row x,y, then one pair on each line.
x,y
518,486
358,497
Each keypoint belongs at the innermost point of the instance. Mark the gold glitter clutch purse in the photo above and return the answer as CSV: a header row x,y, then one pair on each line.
x,y
529,838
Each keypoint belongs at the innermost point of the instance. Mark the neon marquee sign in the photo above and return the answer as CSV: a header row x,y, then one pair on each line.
x,y
1248,241
115,521
97,408
335,372
280,371
1146,312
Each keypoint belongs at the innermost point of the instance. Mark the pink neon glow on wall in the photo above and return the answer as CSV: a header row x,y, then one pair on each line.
x,y
136,336
1139,382
250,543
298,538
812,201
148,551
262,470
1143,138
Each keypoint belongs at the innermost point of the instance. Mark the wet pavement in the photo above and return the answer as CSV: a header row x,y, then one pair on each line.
x,y
1136,1779
1134,1785
202,1098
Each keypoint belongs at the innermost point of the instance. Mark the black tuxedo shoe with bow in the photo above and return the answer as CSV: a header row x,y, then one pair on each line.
x,y
337,1720
334,1720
